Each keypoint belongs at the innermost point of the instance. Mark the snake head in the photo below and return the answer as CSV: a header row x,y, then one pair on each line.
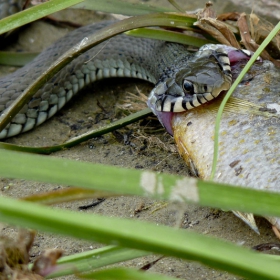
x,y
196,81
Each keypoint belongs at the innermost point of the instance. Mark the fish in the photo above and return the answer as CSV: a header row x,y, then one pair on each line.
x,y
249,136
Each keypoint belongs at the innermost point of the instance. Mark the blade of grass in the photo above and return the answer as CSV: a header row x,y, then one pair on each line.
x,y
34,13
120,253
141,236
271,35
124,274
136,182
94,259
169,36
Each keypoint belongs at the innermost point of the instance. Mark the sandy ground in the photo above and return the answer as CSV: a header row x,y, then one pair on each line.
x,y
82,114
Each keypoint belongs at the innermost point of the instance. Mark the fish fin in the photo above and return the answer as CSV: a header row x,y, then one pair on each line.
x,y
247,218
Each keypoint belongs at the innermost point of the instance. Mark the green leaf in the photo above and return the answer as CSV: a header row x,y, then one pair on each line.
x,y
94,259
169,36
34,13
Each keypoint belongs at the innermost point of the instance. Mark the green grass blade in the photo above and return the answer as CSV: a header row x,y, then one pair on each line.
x,y
271,35
95,259
141,236
169,36
135,182
124,274
105,253
120,7
34,13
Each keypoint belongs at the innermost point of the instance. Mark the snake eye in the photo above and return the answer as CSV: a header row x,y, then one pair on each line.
x,y
188,86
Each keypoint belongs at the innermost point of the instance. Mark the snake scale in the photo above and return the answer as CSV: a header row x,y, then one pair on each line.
x,y
182,81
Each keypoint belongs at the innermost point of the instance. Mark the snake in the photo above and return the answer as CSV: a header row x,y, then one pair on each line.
x,y
183,82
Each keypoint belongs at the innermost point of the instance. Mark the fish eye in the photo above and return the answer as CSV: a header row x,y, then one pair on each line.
x,y
187,86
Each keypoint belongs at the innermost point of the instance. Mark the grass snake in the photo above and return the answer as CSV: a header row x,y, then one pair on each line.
x,y
182,80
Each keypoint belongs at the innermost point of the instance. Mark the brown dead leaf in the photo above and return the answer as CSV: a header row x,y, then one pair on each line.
x,y
207,12
260,28
253,31
234,16
249,42
219,30
14,258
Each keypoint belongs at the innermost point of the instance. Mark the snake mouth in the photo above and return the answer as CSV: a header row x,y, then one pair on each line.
x,y
165,119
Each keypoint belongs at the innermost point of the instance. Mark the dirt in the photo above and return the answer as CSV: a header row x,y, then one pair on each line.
x,y
84,113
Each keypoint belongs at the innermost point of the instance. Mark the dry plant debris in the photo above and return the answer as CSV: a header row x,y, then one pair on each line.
x,y
14,258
